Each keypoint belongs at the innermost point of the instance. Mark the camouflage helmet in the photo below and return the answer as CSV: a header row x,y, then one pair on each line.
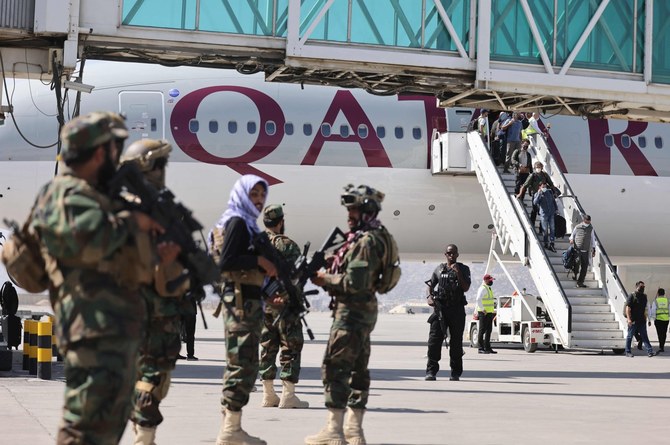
x,y
146,153
363,197
84,133
272,214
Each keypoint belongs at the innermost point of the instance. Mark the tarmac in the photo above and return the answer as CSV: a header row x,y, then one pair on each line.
x,y
569,397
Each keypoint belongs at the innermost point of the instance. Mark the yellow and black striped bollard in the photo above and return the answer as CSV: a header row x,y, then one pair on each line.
x,y
26,345
54,344
32,366
44,350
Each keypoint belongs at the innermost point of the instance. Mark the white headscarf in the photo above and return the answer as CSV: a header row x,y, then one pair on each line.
x,y
241,206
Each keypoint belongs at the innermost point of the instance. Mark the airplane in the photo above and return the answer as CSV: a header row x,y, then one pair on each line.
x,y
310,141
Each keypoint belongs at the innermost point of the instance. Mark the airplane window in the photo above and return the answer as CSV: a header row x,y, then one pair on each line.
x,y
399,134
325,129
609,140
232,127
288,128
381,132
193,125
625,141
363,131
251,127
658,141
307,129
213,126
270,128
642,141
344,131
416,133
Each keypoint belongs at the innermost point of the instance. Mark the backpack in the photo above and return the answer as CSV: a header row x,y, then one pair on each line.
x,y
9,299
571,260
390,274
22,256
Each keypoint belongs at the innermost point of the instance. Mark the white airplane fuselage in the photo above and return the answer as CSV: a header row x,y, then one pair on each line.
x,y
223,124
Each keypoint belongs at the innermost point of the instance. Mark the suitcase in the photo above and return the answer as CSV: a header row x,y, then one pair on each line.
x,y
559,225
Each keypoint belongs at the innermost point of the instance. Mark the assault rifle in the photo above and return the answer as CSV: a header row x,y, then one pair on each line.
x,y
291,278
437,300
179,225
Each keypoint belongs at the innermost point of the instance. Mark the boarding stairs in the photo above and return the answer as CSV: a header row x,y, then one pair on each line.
x,y
589,318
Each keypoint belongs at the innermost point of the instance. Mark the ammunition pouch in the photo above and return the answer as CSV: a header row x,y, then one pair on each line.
x,y
252,277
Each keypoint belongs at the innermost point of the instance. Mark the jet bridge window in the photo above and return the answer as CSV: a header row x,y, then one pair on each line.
x,y
325,129
362,131
658,141
251,127
344,131
399,133
213,126
609,140
270,128
193,125
416,133
288,128
642,141
232,127
381,132
625,141
307,129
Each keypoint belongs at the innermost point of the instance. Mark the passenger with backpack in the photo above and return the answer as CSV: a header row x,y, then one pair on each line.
x,y
366,264
584,241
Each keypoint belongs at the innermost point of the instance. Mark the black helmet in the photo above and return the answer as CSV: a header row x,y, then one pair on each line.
x,y
151,157
363,197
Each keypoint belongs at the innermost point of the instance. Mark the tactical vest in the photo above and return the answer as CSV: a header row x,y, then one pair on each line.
x,y
661,309
583,238
449,289
488,301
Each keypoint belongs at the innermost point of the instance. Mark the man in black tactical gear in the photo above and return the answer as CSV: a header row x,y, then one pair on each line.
x,y
452,280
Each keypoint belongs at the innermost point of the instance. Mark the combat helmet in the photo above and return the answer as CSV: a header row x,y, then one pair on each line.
x,y
363,197
272,215
83,134
151,156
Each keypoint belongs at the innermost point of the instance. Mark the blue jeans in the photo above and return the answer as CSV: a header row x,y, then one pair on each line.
x,y
549,228
641,328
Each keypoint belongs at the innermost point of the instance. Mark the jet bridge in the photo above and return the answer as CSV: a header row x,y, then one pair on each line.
x,y
590,317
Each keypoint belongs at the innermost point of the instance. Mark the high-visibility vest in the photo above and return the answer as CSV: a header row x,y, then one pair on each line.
x,y
488,301
661,308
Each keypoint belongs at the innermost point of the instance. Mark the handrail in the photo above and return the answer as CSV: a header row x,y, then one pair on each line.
x,y
606,273
486,171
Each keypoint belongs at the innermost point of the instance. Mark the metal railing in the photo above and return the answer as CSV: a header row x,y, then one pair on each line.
x,y
517,237
603,269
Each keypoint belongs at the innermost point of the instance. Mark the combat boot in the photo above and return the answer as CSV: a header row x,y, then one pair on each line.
x,y
231,432
270,397
144,435
288,397
332,433
353,427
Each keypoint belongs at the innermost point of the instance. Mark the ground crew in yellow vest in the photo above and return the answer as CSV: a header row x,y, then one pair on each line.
x,y
97,257
486,311
659,312
160,348
286,333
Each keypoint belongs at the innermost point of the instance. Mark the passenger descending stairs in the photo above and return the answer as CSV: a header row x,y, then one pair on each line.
x,y
591,317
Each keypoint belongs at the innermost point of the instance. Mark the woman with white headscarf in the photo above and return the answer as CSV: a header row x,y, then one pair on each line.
x,y
243,272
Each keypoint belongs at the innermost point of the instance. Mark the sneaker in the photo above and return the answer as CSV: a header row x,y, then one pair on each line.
x,y
482,351
491,351
430,377
639,345
546,246
651,354
581,285
629,354
552,248
453,378
180,357
659,351
192,358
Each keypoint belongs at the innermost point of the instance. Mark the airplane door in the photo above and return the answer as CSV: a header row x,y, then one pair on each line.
x,y
145,114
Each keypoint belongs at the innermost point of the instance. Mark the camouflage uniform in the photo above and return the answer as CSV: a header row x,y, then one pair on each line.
x,y
160,348
98,311
287,333
345,371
